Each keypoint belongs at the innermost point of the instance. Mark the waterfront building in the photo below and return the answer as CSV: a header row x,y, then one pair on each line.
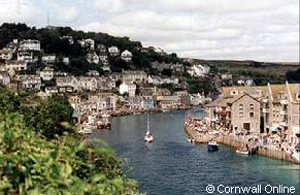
x,y
258,109
129,88
168,102
148,102
184,98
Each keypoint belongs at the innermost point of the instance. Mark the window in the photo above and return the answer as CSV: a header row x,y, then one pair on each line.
x,y
234,92
241,107
251,106
251,114
298,96
241,114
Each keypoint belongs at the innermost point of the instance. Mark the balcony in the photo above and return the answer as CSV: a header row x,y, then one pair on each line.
x,y
284,102
283,112
284,124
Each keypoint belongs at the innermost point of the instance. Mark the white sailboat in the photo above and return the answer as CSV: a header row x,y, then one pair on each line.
x,y
148,135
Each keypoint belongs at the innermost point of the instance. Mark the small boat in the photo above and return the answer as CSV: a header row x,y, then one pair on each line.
x,y
148,135
190,140
212,146
242,152
85,131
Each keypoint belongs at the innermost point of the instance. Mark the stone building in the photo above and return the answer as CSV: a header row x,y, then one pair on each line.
x,y
279,107
245,114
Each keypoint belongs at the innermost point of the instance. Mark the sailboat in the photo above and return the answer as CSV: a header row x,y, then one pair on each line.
x,y
148,135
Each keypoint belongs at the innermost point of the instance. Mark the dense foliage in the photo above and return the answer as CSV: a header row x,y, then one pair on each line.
x,y
35,160
293,76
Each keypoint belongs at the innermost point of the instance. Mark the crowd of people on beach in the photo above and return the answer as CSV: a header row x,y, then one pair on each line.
x,y
278,140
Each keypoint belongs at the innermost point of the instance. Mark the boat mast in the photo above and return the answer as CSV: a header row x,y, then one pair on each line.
x,y
148,125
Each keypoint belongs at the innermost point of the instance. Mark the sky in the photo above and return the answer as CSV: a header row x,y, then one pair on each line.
x,y
262,30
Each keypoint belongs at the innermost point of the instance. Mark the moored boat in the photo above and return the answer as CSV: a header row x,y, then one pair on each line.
x,y
148,135
242,152
212,146
85,131
191,140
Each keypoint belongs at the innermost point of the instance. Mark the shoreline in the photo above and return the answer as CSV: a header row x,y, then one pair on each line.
x,y
139,112
235,142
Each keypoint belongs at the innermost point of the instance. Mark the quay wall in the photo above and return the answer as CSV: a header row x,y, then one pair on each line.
x,y
235,142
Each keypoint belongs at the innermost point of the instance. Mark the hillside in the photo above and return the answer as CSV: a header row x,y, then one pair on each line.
x,y
65,42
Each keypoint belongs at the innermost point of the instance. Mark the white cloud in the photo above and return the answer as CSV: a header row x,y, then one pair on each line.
x,y
18,11
108,5
68,14
218,29
214,29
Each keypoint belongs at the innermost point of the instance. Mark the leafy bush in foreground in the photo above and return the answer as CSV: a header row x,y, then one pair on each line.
x,y
33,165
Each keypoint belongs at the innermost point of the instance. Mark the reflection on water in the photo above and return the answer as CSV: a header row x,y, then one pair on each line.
x,y
171,166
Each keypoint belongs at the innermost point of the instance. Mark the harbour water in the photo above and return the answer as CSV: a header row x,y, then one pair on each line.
x,y
172,166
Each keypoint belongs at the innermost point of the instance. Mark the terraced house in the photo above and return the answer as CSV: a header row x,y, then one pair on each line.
x,y
258,109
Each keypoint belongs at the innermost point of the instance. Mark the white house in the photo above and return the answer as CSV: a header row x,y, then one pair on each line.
x,y
67,81
113,51
93,58
4,78
66,60
15,65
49,58
129,88
156,80
93,73
87,43
32,82
134,76
47,74
198,70
25,56
31,45
126,56
226,76
6,54
87,83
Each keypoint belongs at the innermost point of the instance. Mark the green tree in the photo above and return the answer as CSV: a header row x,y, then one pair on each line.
x,y
31,165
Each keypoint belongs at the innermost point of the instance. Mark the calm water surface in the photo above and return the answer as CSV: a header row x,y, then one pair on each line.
x,y
171,166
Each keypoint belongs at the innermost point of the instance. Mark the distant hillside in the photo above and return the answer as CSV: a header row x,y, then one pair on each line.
x,y
52,43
